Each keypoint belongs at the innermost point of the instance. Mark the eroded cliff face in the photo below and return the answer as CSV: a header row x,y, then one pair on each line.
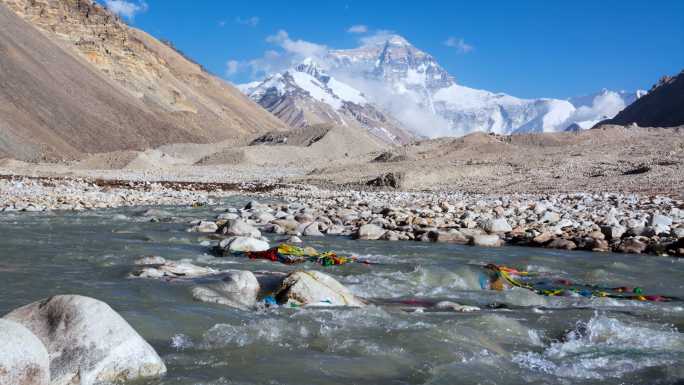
x,y
190,104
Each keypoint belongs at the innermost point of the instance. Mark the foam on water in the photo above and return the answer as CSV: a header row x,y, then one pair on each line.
x,y
606,347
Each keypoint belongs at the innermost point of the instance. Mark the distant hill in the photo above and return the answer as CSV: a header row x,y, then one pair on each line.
x,y
663,106
75,79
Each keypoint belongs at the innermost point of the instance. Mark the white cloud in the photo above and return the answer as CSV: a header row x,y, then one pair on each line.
x,y
127,9
605,105
222,23
250,21
458,43
288,53
359,28
232,67
380,36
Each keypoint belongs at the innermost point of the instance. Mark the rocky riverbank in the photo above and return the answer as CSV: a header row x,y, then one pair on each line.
x,y
595,222
626,223
45,194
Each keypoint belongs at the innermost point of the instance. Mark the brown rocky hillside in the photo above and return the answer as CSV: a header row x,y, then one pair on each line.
x,y
74,79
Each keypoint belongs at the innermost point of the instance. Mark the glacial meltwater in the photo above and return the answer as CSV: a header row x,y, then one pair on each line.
x,y
517,337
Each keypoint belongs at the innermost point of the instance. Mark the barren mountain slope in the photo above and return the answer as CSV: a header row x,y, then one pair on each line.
x,y
85,82
663,106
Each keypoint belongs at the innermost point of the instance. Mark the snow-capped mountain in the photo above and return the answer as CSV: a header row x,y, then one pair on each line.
x,y
405,72
409,85
306,95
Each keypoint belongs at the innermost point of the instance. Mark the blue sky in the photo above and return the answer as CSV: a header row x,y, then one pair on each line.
x,y
524,48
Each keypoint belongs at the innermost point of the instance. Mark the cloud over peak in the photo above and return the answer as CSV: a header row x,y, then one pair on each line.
x,y
359,28
458,43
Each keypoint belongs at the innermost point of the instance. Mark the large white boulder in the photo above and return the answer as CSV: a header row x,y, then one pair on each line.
x,y
240,228
239,289
243,245
370,232
24,359
87,341
313,288
169,269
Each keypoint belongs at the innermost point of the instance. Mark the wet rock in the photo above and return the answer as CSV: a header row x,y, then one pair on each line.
x,y
204,227
156,213
171,269
294,239
560,243
150,260
312,230
263,217
88,342
289,225
304,218
487,240
272,228
238,227
543,238
370,232
313,288
227,216
453,306
24,359
239,289
632,246
243,245
451,236
335,230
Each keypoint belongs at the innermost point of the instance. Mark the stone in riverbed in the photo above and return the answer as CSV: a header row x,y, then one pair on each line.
x,y
294,239
150,260
560,243
335,230
88,342
204,227
239,289
171,269
550,217
632,246
496,225
453,306
370,232
24,359
487,240
313,288
238,227
543,238
243,245
451,236
312,230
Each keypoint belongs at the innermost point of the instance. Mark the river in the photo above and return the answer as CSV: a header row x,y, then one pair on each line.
x,y
518,337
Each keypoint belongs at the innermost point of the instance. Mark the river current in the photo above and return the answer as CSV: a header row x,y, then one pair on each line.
x,y
518,337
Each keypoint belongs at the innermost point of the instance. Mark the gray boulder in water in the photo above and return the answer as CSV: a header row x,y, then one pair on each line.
x,y
313,288
239,289
87,341
240,228
24,359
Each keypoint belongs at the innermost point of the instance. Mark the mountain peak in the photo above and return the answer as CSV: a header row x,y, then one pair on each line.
x,y
397,40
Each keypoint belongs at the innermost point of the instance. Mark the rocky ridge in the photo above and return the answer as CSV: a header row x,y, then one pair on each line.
x,y
133,91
